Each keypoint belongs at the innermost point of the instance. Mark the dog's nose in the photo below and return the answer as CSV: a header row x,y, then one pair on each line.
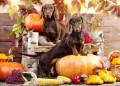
x,y
76,30
47,15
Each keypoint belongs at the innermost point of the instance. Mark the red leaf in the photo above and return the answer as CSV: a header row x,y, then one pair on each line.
x,y
90,4
74,2
110,7
38,1
27,1
82,1
62,24
33,10
56,1
22,7
113,11
104,12
101,0
114,1
78,7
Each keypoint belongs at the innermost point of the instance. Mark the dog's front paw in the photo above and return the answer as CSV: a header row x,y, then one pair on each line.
x,y
56,42
75,53
48,40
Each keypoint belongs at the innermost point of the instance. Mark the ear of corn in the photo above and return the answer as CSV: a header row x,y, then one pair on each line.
x,y
65,79
42,81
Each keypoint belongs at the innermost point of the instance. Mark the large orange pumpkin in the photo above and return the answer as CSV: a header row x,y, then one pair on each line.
x,y
7,67
77,65
32,21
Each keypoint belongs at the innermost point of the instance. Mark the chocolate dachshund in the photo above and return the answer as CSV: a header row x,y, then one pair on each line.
x,y
52,30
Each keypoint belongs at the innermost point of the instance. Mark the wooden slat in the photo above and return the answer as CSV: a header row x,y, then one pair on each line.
x,y
5,32
5,20
42,48
109,21
5,46
4,16
112,38
47,48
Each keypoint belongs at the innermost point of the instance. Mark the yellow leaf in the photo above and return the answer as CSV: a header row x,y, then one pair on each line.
x,y
84,5
94,1
73,10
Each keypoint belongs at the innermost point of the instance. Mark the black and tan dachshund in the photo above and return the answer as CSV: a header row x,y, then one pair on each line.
x,y
51,28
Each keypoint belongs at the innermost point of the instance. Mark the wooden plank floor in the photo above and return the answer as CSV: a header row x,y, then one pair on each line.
x,y
111,84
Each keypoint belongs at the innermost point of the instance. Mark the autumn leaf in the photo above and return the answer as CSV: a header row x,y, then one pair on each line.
x,y
56,1
83,1
101,0
12,10
84,5
104,12
73,10
78,7
90,4
102,5
94,2
16,31
114,10
3,2
114,1
74,2
26,1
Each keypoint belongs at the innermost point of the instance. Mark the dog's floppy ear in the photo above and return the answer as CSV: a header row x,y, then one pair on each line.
x,y
41,13
82,19
56,14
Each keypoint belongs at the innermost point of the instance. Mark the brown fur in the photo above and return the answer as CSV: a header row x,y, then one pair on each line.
x,y
51,28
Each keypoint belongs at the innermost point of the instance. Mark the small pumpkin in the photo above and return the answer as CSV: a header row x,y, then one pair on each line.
x,y
107,76
7,67
94,79
32,21
71,65
3,57
116,61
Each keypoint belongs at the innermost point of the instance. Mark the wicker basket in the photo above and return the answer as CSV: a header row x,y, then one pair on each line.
x,y
115,68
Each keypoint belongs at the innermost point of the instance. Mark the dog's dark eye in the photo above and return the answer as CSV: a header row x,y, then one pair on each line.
x,y
45,8
73,22
50,7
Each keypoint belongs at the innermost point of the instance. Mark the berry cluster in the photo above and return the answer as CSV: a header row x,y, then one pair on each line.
x,y
15,77
87,38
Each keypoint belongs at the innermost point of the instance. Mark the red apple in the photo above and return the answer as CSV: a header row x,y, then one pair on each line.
x,y
76,79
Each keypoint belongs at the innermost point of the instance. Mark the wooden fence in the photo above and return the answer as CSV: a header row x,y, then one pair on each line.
x,y
6,24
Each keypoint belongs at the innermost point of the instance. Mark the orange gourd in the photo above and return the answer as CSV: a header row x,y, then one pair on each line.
x,y
7,67
77,65
32,21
